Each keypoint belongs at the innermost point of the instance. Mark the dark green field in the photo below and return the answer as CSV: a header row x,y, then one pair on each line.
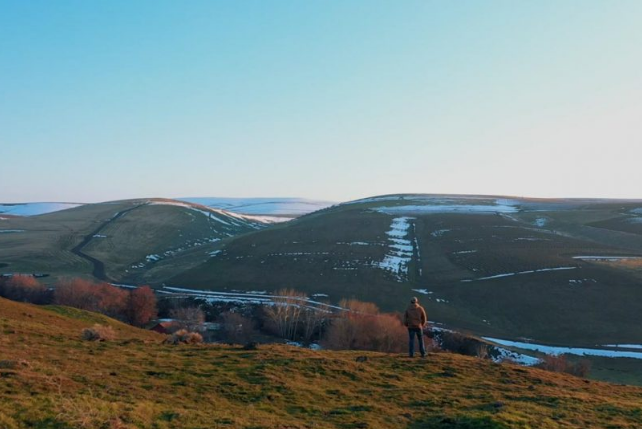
x,y
536,288
498,267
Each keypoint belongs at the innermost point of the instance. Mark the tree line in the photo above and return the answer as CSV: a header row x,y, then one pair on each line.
x,y
134,306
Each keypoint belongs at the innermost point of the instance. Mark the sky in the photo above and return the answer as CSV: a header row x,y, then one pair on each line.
x,y
332,100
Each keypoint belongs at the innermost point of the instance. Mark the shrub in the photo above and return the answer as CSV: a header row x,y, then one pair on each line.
x,y
98,333
183,336
85,295
462,344
141,306
559,363
188,318
237,329
25,289
362,328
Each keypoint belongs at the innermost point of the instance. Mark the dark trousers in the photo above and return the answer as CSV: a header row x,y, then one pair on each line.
x,y
411,344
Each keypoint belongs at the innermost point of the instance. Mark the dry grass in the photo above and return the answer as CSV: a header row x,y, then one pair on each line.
x,y
138,382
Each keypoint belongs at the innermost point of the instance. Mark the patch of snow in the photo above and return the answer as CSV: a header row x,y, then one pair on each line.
x,y
511,356
282,208
99,236
34,209
606,258
422,291
541,270
541,222
401,249
214,253
578,351
152,258
439,232
464,252
624,346
10,231
460,208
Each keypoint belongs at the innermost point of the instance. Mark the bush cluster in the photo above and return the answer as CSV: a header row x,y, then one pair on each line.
x,y
559,363
98,333
183,336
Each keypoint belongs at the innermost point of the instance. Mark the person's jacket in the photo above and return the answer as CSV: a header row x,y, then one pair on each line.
x,y
415,316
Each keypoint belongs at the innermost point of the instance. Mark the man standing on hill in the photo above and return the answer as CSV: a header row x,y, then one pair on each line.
x,y
415,319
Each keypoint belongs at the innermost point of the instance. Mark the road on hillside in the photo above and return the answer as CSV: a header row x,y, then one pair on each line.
x,y
99,267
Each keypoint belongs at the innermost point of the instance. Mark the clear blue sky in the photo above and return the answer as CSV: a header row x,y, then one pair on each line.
x,y
321,99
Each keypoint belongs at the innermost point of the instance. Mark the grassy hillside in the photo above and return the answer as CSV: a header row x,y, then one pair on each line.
x,y
52,379
495,266
124,241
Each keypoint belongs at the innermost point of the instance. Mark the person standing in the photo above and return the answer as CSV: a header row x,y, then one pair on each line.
x,y
415,319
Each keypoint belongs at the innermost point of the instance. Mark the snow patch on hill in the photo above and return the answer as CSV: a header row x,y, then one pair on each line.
x,y
34,209
400,250
276,207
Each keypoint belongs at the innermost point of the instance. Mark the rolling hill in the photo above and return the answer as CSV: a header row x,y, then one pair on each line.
x,y
124,241
34,209
556,271
287,208
53,380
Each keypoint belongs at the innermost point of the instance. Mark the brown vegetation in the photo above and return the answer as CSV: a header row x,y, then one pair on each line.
x,y
98,333
141,308
24,288
183,336
363,328
559,363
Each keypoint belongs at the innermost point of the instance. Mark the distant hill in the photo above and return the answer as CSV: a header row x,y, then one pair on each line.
x,y
53,379
34,209
124,241
278,207
557,271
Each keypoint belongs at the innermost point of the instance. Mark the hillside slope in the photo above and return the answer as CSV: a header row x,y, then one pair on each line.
x,y
558,271
52,379
124,241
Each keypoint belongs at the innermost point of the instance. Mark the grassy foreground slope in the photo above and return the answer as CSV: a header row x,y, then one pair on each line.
x,y
52,379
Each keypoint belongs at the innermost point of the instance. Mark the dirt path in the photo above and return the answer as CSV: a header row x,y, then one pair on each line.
x,y
99,267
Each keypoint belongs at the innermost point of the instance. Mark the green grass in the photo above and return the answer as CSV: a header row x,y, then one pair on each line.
x,y
182,237
137,382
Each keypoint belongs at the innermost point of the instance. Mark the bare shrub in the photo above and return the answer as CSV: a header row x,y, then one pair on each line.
x,y
25,289
362,328
98,297
284,316
559,363
188,318
183,336
98,333
462,344
237,328
141,306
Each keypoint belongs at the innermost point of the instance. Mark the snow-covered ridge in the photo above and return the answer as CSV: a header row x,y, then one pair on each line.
x,y
34,209
277,207
219,215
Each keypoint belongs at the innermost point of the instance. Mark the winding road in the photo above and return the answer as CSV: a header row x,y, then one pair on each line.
x,y
99,267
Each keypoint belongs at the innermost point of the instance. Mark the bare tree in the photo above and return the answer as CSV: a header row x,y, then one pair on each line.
x,y
285,313
189,318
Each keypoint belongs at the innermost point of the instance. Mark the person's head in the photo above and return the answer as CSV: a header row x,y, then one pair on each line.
x,y
414,300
